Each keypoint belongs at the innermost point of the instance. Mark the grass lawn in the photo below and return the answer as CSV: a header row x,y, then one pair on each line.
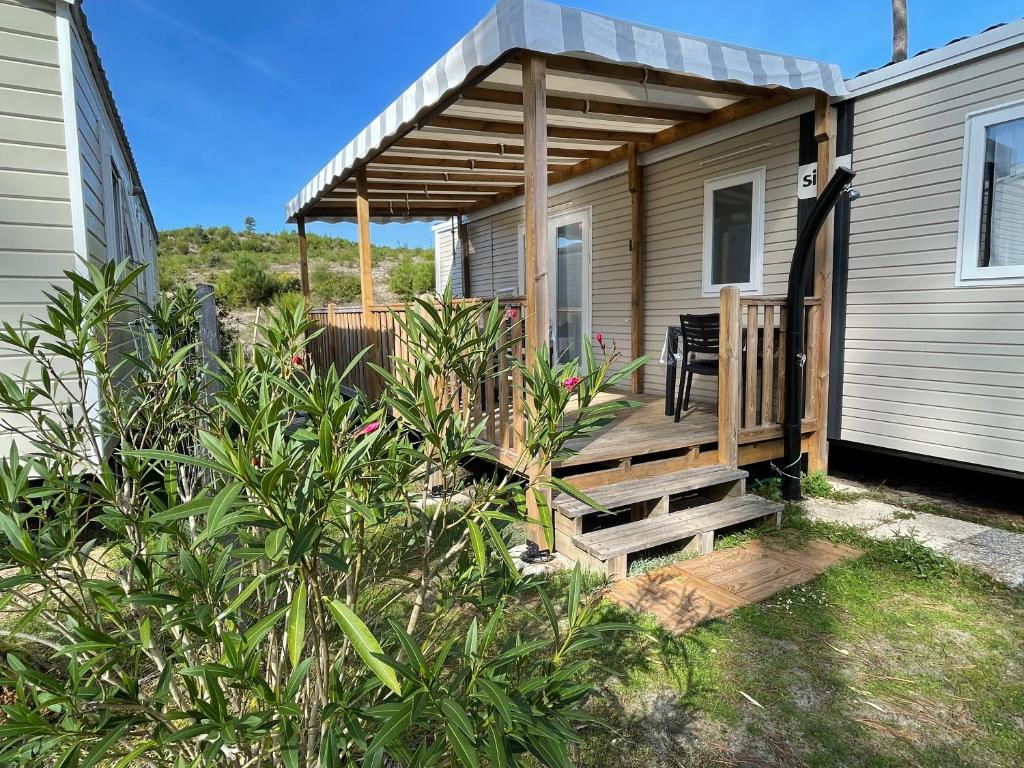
x,y
899,658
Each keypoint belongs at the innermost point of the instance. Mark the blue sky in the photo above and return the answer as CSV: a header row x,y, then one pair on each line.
x,y
232,106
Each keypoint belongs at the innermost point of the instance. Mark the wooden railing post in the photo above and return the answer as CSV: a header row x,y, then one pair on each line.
x,y
729,384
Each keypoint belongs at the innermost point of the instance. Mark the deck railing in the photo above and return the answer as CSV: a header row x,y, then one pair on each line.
x,y
498,404
752,372
751,381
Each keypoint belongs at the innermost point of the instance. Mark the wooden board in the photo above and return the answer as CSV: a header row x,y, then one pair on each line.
x,y
655,531
682,595
627,492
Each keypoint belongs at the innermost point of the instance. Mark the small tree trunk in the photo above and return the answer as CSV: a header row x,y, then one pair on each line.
x,y
899,30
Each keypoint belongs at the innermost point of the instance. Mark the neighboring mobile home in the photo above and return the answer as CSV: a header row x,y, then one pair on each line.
x,y
69,189
932,356
610,176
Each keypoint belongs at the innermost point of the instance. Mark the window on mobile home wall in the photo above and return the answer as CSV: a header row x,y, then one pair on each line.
x,y
734,232
991,233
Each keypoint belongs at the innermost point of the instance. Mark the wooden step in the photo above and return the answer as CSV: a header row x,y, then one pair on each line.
x,y
646,489
655,531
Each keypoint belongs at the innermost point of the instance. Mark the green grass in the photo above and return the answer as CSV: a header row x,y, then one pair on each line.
x,y
898,658
814,485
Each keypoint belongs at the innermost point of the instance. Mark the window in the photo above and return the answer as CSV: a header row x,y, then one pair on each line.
x,y
734,231
991,233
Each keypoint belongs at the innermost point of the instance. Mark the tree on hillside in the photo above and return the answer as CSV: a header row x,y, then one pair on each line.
x,y
250,225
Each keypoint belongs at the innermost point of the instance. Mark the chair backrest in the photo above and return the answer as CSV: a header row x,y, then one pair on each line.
x,y
700,334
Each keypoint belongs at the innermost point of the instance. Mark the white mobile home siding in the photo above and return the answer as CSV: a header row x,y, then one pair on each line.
x,y
100,149
447,259
36,236
930,368
673,226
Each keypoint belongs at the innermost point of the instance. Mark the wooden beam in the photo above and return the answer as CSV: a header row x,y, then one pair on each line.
x,y
824,135
667,136
536,213
493,148
418,187
374,173
352,212
447,162
729,384
612,71
635,181
464,249
300,222
365,251
587,106
504,128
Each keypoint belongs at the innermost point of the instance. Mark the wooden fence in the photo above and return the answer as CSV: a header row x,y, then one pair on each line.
x,y
499,403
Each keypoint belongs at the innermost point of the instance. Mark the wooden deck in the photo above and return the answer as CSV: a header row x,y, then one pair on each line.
x,y
644,430
682,595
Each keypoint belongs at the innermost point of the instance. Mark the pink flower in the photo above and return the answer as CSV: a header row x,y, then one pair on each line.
x,y
571,383
373,426
599,338
297,360
511,314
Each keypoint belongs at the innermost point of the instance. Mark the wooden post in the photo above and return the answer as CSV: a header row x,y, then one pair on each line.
x,y
464,249
729,383
636,249
300,222
366,276
535,167
824,135
208,336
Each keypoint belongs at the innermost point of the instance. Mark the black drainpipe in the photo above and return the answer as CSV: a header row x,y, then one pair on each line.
x,y
799,275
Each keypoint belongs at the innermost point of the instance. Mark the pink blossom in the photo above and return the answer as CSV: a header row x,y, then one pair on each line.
x,y
571,383
599,338
373,426
297,360
511,314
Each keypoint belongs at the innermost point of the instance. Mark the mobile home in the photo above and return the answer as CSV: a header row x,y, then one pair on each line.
x,y
69,189
930,355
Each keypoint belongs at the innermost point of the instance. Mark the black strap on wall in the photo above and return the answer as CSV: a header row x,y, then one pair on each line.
x,y
807,153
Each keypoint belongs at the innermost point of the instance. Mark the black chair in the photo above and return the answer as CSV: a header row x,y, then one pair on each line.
x,y
700,337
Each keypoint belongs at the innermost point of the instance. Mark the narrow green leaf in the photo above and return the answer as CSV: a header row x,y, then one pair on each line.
x,y
297,624
462,746
365,643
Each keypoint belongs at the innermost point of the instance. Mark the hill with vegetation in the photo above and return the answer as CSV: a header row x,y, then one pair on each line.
x,y
249,268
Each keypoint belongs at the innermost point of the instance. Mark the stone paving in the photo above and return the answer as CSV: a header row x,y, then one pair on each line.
x,y
994,551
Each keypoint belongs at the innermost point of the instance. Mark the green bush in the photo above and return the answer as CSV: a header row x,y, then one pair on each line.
x,y
412,277
330,286
268,577
248,283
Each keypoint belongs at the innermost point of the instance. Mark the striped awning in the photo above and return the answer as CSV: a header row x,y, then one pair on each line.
x,y
449,143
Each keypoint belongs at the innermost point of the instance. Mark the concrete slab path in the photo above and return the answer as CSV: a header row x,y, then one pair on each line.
x,y
994,551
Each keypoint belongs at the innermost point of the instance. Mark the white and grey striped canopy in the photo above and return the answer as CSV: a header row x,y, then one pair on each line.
x,y
536,25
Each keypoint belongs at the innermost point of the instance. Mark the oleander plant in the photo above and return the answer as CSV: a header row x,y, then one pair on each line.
x,y
237,562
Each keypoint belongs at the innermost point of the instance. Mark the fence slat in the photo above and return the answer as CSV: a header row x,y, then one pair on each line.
x,y
750,409
767,364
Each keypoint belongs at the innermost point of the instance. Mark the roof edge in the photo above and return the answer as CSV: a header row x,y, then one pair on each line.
x,y
96,65
991,41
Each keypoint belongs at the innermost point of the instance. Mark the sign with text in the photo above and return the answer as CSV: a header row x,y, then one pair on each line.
x,y
807,177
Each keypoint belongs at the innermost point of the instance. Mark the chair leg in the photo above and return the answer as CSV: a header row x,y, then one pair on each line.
x,y
679,397
689,386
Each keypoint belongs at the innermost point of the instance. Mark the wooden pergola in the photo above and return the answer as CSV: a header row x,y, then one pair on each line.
x,y
535,114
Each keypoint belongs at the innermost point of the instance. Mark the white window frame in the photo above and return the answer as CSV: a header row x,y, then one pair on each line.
x,y
756,177
583,215
968,273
